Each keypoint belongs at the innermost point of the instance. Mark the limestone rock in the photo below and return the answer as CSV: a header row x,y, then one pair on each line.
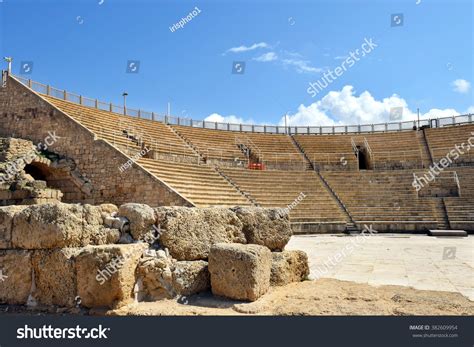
x,y
266,227
191,277
6,222
189,233
288,266
155,274
60,225
108,210
106,274
16,272
55,277
240,272
141,217
163,277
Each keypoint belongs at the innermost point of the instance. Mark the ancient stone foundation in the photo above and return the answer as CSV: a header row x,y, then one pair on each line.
x,y
73,255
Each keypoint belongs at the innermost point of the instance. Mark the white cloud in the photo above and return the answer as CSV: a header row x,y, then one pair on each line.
x,y
341,57
302,66
264,58
344,107
461,86
243,48
215,117
470,109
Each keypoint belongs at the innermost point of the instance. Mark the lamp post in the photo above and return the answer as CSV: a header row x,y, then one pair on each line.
x,y
9,61
124,94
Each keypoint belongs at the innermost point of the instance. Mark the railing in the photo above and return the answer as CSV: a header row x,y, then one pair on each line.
x,y
271,129
456,179
248,143
367,146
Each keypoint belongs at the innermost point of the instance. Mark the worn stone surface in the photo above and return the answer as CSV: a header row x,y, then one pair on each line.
x,y
289,266
6,222
108,210
55,276
164,277
240,272
191,277
266,227
106,274
189,233
16,272
155,272
141,218
60,225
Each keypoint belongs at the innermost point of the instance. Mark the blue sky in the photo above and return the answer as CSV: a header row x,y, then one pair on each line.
x,y
84,46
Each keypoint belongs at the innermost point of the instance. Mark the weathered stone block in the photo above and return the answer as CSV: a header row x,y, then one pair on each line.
x,y
191,277
106,274
59,226
289,266
266,227
141,217
7,214
16,275
189,233
154,272
55,276
239,271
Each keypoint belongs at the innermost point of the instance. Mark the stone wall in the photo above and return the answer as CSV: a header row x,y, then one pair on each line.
x,y
85,256
25,114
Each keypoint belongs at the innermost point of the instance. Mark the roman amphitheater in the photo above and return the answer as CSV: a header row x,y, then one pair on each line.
x,y
113,210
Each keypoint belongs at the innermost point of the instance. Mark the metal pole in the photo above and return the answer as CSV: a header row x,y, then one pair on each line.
x,y
9,61
286,124
125,94
418,111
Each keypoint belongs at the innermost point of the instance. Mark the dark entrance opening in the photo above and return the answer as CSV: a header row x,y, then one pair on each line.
x,y
362,159
36,172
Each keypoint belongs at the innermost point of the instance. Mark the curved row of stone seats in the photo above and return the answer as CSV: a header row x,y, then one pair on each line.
x,y
125,131
329,152
214,144
461,209
394,150
277,151
386,199
274,188
443,140
390,150
201,184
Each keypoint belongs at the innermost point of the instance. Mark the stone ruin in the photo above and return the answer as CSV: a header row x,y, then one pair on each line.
x,y
65,255
20,160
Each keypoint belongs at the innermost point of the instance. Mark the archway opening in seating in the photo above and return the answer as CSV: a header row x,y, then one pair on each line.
x,y
363,164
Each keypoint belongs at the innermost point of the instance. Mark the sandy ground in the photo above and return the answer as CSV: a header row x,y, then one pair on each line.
x,y
319,297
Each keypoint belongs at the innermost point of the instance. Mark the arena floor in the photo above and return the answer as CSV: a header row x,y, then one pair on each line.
x,y
418,261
